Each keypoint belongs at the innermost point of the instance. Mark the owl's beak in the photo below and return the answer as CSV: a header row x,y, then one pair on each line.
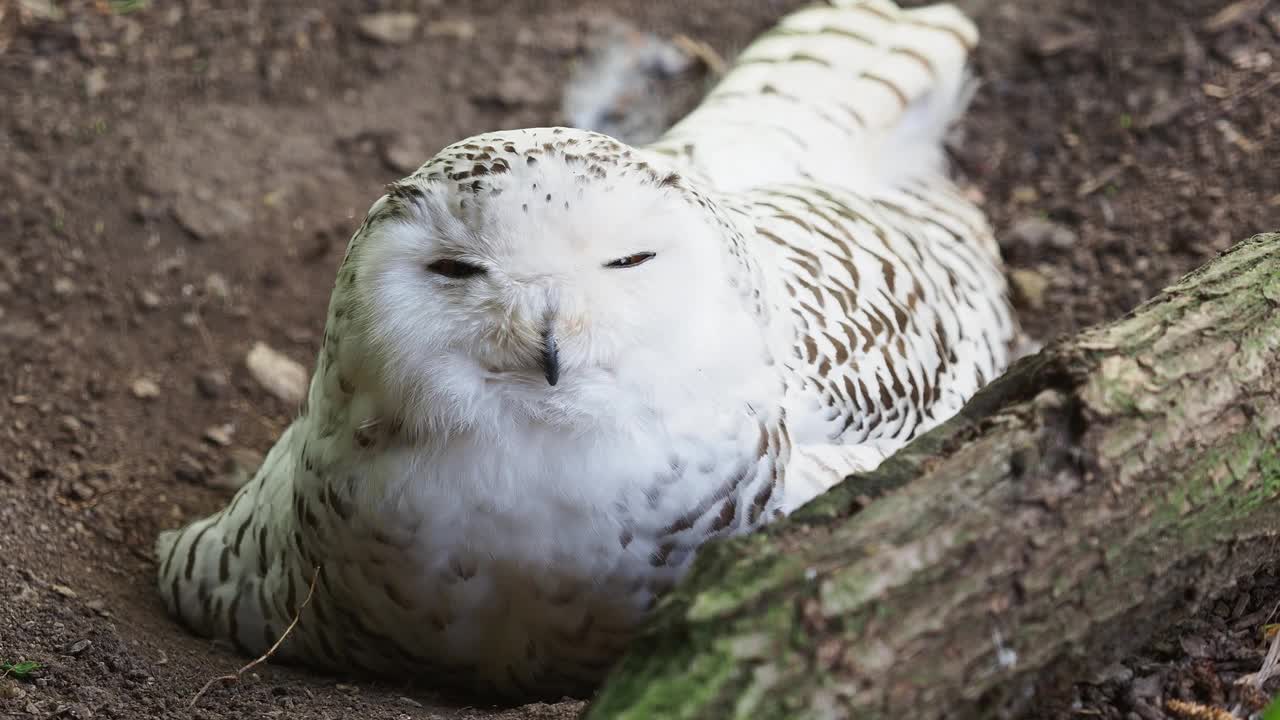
x,y
550,355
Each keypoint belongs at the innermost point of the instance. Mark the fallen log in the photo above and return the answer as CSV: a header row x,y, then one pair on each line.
x,y
1095,493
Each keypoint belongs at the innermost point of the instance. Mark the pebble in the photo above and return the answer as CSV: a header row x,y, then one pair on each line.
x,y
1038,232
1194,646
63,286
391,28
279,374
171,264
145,389
220,434
95,81
1031,285
1113,674
79,646
208,216
148,299
63,590
211,384
216,286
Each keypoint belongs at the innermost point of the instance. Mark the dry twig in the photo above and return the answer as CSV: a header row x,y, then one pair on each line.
x,y
266,655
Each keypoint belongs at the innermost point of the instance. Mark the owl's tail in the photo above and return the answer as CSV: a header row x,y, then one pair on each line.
x,y
219,576
852,92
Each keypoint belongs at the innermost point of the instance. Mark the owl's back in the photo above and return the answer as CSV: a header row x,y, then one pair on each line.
x,y
884,282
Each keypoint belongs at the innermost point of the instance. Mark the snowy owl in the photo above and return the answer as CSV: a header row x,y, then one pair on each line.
x,y
555,365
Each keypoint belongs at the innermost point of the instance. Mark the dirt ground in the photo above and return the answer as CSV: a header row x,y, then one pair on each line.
x,y
178,181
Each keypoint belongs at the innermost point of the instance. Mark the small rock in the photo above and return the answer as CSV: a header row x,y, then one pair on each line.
x,y
1031,285
145,389
63,286
70,424
99,607
207,216
63,590
220,434
171,264
148,299
1196,647
95,81
212,383
216,286
1025,194
279,374
1037,232
1113,674
392,28
79,646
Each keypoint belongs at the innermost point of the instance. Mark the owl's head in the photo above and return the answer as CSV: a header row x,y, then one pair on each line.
x,y
534,273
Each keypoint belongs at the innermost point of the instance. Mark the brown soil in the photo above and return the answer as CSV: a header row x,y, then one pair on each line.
x,y
178,181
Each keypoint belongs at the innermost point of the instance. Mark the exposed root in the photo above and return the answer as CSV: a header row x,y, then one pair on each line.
x,y
264,656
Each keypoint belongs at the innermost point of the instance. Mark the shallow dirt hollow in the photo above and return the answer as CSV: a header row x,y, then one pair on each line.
x,y
178,182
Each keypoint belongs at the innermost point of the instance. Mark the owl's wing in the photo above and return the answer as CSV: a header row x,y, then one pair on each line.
x,y
218,575
854,93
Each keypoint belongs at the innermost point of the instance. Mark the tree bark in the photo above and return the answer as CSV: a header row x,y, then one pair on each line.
x,y
1095,493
